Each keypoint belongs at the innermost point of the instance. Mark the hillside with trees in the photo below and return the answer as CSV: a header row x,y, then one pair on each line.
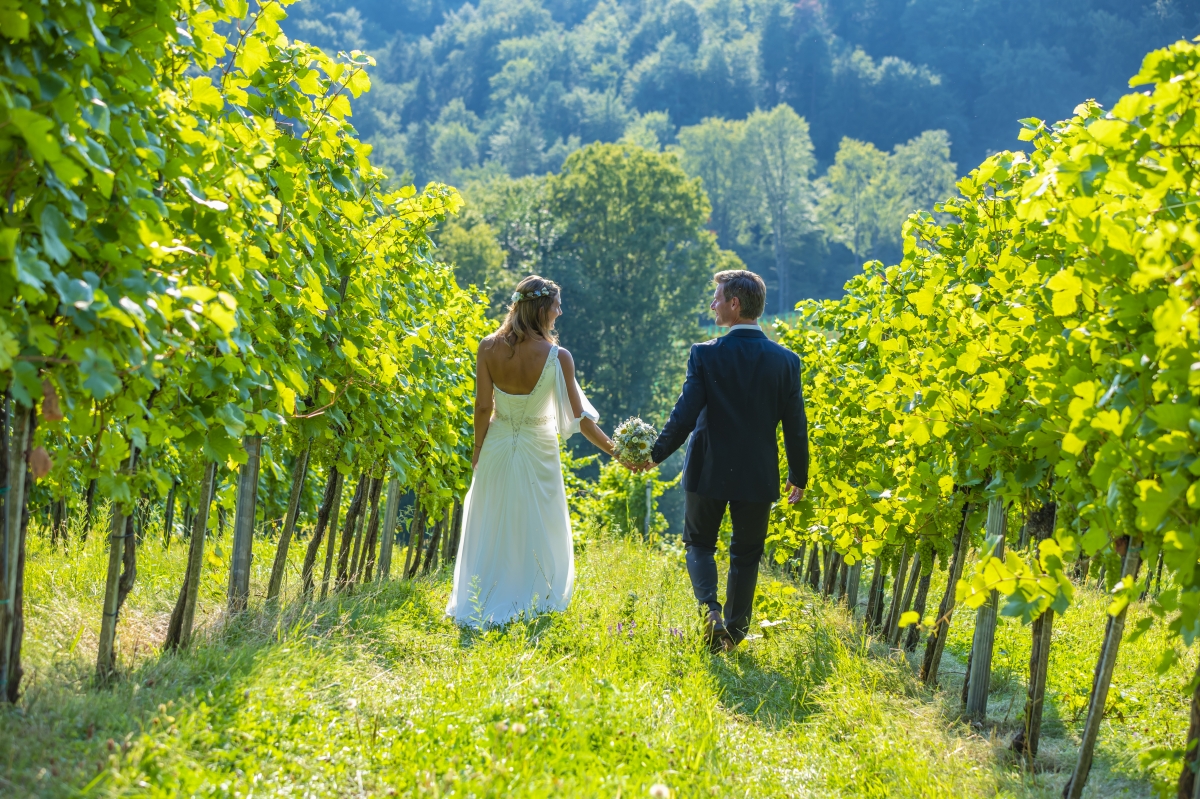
x,y
885,98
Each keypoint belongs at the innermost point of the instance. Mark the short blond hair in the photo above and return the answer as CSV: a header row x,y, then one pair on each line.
x,y
748,287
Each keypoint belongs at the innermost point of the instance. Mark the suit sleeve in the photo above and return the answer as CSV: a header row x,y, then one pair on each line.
x,y
795,433
687,409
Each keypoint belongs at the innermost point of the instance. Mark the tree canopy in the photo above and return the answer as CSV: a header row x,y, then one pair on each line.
x,y
525,82
635,263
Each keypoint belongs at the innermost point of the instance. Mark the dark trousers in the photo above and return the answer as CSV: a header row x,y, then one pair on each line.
x,y
702,523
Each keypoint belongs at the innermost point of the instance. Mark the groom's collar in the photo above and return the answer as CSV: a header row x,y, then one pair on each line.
x,y
746,331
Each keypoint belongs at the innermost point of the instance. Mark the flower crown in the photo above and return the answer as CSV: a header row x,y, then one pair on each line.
x,y
542,292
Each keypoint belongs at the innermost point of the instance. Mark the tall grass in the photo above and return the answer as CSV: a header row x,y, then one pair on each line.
x,y
376,694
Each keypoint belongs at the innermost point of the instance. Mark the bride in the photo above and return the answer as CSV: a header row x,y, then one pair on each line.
x,y
516,553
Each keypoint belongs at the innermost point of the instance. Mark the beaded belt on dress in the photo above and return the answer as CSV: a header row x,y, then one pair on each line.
x,y
531,421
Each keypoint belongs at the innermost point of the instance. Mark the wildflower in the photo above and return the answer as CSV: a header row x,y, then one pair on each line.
x,y
660,791
518,728
501,726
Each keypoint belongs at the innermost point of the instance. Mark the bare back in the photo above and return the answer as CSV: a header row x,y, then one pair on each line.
x,y
514,370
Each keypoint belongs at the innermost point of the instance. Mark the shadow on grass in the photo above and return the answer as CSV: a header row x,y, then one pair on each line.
x,y
66,727
524,630
774,679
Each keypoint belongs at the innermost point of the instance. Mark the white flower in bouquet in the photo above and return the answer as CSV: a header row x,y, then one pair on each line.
x,y
632,441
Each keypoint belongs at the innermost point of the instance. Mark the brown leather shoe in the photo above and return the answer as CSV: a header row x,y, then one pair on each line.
x,y
715,634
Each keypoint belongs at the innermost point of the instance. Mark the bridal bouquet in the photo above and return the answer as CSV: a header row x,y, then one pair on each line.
x,y
632,441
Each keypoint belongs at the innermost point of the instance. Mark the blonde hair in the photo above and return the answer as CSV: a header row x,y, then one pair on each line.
x,y
529,312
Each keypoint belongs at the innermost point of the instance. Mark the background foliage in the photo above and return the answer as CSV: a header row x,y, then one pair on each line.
x,y
514,86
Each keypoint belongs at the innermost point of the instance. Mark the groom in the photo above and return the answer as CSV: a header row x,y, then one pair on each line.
x,y
738,390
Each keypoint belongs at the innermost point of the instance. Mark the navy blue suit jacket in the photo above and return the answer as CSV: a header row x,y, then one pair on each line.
x,y
738,390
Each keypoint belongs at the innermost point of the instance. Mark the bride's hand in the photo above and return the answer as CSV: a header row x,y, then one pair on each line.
x,y
475,458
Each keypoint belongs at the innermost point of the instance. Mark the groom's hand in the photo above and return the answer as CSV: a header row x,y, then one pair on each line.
x,y
795,493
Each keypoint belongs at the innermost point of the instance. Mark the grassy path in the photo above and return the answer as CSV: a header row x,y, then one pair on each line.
x,y
377,695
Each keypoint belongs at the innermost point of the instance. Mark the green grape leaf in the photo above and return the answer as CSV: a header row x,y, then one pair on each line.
x,y
56,234
253,55
38,133
100,378
31,270
205,95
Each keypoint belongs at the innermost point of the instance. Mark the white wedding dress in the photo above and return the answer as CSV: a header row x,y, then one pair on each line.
x,y
517,553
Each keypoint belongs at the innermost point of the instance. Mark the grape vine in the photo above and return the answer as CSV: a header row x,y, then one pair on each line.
x,y
1037,346
202,255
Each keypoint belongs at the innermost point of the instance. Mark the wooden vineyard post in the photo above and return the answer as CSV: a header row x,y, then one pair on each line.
x,y
649,511
893,614
388,540
922,597
13,672
1189,784
874,592
936,643
299,472
13,502
855,575
910,586
877,620
169,514
331,541
1026,740
89,504
243,527
179,630
365,557
796,563
416,538
332,491
1038,527
979,673
343,556
831,570
843,575
362,531
448,540
12,557
431,552
120,539
356,539
459,510
814,568
1102,680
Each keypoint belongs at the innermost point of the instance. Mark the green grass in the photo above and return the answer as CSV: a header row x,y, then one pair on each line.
x,y
377,695
1144,711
